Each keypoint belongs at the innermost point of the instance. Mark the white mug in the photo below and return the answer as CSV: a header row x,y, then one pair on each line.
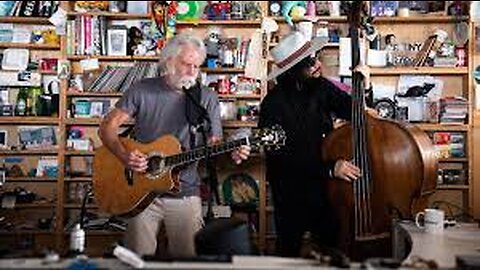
x,y
433,220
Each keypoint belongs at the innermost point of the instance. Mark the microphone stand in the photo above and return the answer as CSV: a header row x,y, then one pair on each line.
x,y
210,172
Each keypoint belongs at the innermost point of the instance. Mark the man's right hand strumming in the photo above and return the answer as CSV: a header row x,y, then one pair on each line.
x,y
136,160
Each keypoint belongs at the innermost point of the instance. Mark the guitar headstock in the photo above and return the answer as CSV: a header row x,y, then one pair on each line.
x,y
271,138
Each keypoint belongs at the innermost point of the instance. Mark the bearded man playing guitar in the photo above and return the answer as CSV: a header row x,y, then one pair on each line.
x,y
158,106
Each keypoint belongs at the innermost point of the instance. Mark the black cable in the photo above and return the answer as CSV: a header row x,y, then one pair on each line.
x,y
88,193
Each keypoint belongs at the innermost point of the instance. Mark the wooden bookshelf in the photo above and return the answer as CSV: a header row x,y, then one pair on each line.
x,y
78,179
94,94
46,152
456,160
29,120
89,122
419,71
222,70
42,72
112,57
443,127
79,153
329,45
330,19
31,179
31,205
230,23
26,232
79,206
30,46
419,19
112,15
240,96
24,20
453,187
239,124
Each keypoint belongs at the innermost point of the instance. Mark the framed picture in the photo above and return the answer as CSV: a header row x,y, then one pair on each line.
x,y
117,41
37,137
3,139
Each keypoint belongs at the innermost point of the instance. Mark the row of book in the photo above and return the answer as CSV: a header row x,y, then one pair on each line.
x,y
28,8
119,79
87,35
453,110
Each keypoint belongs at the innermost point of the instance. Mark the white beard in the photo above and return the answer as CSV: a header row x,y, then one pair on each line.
x,y
186,82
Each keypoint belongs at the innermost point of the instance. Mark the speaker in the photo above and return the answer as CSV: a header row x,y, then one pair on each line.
x,y
224,237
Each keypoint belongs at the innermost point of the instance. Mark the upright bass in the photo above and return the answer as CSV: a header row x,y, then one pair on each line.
x,y
398,165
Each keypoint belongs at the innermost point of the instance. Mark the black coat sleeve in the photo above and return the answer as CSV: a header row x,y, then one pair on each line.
x,y
336,100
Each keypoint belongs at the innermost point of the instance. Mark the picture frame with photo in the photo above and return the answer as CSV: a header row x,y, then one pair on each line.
x,y
98,108
117,41
37,137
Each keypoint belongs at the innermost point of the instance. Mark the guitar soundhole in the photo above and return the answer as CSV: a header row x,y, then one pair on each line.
x,y
156,165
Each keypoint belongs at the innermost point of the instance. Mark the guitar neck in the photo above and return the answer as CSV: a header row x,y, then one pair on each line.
x,y
201,152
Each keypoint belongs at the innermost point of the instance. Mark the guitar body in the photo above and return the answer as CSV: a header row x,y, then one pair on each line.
x,y
115,194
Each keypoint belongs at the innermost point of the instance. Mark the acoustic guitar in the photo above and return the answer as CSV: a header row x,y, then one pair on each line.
x,y
121,191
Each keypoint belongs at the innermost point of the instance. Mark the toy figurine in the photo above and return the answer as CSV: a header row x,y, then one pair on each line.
x,y
212,43
293,9
218,10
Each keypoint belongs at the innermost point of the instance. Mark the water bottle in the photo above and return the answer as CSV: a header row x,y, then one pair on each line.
x,y
77,240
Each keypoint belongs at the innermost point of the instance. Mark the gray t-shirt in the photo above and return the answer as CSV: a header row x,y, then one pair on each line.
x,y
160,110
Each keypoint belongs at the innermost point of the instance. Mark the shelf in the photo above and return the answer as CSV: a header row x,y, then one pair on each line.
x,y
78,179
330,19
126,16
244,23
88,122
238,124
79,206
28,152
79,153
26,20
17,232
100,233
94,94
29,46
31,179
453,187
50,72
442,127
326,46
112,15
222,70
271,236
419,70
112,57
419,19
31,205
240,96
83,121
457,160
28,120
104,233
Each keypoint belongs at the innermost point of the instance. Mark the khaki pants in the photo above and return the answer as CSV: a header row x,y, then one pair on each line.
x,y
181,217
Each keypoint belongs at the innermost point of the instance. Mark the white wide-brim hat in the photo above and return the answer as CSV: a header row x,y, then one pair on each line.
x,y
293,49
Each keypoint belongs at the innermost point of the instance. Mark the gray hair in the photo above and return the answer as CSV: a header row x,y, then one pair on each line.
x,y
174,45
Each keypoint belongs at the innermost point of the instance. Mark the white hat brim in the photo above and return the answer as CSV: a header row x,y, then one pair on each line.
x,y
317,44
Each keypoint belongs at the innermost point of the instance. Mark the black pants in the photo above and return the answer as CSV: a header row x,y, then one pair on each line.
x,y
298,209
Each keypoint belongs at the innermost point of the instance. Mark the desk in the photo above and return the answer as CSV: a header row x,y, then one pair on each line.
x,y
462,239
238,262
